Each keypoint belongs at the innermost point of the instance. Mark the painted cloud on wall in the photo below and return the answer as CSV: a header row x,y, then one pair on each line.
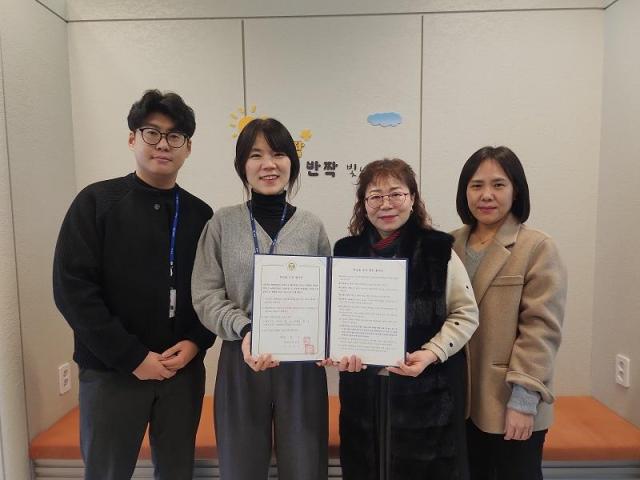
x,y
384,119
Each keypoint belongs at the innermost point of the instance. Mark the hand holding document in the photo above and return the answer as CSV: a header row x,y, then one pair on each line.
x,y
368,305
289,307
309,308
257,364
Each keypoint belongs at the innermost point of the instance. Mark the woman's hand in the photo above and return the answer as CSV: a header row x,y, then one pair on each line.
x,y
350,364
517,425
257,364
415,363
325,362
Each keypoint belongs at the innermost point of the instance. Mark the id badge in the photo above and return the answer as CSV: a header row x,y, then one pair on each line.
x,y
172,302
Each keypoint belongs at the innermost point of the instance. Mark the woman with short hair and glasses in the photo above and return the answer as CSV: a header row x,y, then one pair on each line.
x,y
407,421
256,399
520,285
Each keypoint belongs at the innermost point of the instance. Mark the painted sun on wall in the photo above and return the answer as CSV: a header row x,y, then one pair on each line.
x,y
240,118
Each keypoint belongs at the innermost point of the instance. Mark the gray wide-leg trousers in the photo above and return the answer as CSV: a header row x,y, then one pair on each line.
x,y
291,397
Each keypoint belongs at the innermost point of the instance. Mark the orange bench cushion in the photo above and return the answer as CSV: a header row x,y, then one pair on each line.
x,y
584,429
62,439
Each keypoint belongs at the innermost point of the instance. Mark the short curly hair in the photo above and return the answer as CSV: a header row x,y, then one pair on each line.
x,y
386,168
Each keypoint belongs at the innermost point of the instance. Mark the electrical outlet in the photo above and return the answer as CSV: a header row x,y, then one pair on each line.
x,y
623,365
64,378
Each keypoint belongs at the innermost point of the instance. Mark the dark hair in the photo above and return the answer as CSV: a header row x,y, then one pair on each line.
x,y
512,167
380,169
169,104
278,138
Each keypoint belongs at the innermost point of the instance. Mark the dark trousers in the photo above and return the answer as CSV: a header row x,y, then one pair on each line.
x,y
287,404
491,457
115,409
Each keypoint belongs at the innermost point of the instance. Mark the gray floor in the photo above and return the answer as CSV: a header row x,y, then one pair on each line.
x,y
206,469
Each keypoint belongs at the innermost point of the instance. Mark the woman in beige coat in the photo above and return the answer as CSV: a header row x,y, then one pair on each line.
x,y
520,286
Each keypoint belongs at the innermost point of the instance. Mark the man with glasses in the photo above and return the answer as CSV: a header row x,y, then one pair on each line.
x,y
122,280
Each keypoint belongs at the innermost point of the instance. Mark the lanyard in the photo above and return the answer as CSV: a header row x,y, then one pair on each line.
x,y
174,228
255,235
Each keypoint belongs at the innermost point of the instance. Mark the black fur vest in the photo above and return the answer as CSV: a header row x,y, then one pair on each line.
x,y
422,439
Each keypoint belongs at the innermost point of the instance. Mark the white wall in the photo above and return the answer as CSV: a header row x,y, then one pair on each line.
x,y
531,81
111,64
13,417
40,155
82,10
330,84
616,301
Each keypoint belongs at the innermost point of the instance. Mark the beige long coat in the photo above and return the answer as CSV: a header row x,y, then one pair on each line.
x,y
520,287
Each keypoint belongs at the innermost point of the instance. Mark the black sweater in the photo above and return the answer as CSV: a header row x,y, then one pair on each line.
x,y
111,272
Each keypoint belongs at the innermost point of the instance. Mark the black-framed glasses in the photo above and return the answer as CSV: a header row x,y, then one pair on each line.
x,y
396,199
153,136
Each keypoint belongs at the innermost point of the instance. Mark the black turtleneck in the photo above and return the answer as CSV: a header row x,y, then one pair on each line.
x,y
145,184
267,210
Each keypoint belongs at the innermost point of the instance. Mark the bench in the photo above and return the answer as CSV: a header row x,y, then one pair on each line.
x,y
62,439
585,435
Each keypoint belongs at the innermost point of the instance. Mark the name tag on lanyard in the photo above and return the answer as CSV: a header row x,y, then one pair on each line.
x,y
172,257
172,302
